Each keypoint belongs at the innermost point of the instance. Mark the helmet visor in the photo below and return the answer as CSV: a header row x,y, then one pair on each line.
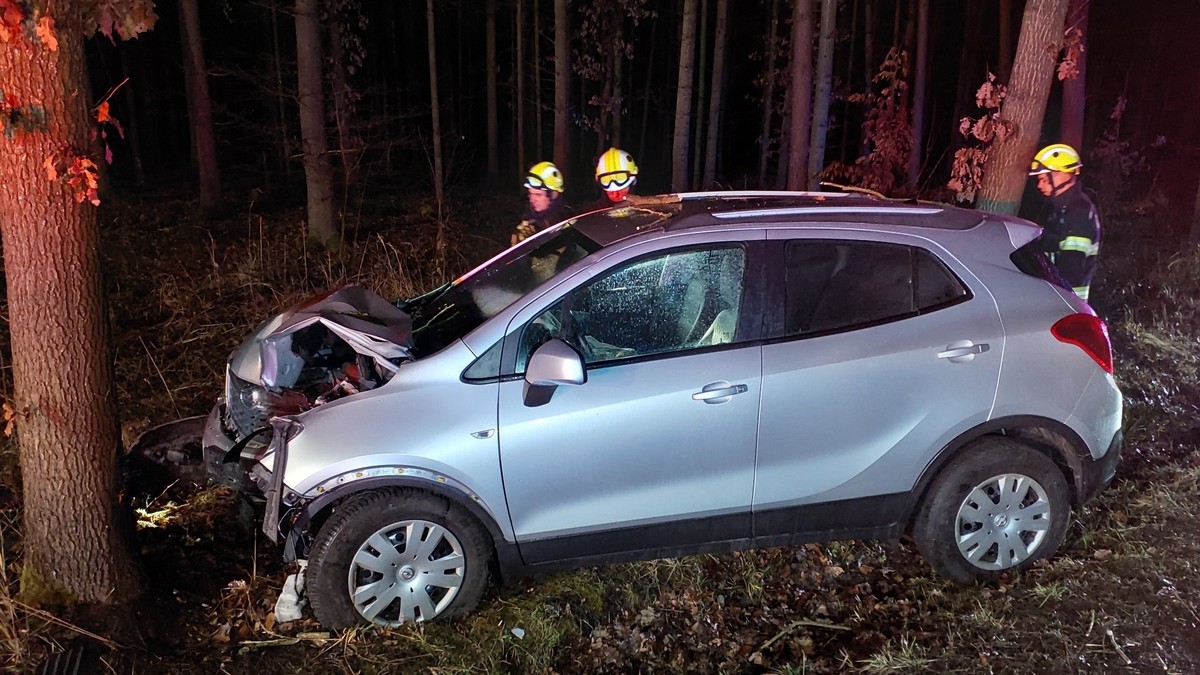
x,y
615,180
535,182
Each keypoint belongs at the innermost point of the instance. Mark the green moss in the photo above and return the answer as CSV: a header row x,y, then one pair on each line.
x,y
36,591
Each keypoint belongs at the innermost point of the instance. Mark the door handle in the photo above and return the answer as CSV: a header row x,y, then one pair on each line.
x,y
962,351
719,392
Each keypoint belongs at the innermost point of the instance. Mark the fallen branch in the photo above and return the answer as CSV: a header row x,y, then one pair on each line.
x,y
796,624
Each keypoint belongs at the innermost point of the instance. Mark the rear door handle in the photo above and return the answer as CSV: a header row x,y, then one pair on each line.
x,y
962,351
719,392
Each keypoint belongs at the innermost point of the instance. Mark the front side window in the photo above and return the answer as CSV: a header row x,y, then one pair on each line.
x,y
839,285
666,303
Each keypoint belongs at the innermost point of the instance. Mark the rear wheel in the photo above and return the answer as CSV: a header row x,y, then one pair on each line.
x,y
394,556
997,508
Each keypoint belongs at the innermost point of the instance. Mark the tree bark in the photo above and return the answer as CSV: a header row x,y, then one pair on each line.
x,y
435,110
683,98
76,533
800,94
1004,67
918,96
519,76
716,101
537,80
562,84
1074,89
318,171
493,118
869,66
698,117
200,107
824,82
1025,106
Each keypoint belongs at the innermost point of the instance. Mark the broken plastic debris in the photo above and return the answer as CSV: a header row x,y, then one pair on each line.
x,y
290,605
519,632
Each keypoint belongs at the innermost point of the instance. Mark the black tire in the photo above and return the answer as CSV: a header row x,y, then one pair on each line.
x,y
970,531
454,557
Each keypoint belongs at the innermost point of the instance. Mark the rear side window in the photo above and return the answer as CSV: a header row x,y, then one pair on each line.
x,y
1032,261
840,285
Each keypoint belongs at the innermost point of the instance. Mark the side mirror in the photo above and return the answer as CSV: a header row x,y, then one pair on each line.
x,y
552,364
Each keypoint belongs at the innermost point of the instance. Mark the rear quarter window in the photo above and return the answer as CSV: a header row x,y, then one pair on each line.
x,y
841,285
1030,260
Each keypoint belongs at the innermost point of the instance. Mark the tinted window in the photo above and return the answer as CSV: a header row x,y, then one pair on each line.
x,y
670,302
836,285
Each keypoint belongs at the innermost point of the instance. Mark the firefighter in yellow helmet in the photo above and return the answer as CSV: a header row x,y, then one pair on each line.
x,y
1070,226
544,186
616,172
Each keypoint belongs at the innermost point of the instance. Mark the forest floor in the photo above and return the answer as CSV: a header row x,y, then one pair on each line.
x,y
1122,596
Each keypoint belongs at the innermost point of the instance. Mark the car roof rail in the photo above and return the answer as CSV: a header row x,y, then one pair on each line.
x,y
828,210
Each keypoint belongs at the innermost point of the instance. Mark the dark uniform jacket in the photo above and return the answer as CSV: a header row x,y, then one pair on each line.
x,y
1071,237
536,221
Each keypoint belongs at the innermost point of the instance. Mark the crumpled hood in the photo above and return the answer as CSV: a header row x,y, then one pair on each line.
x,y
367,322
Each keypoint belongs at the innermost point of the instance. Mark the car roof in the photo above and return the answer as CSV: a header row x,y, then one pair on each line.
x,y
676,212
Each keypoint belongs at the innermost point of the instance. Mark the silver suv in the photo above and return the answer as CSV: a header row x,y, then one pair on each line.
x,y
690,373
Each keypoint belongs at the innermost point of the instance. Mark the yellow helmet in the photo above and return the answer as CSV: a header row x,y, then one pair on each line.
x,y
544,176
1057,157
616,170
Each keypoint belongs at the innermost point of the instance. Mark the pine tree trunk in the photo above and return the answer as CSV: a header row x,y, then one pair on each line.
x,y
280,95
969,78
824,82
717,98
519,76
918,97
869,66
562,84
1033,69
76,534
1074,89
683,98
764,150
801,93
132,124
493,117
200,107
318,171
537,80
698,119
435,109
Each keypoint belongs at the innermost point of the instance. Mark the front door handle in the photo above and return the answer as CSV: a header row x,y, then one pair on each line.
x,y
719,392
962,351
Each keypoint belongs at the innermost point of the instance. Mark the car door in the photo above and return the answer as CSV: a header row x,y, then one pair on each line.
x,y
656,449
887,348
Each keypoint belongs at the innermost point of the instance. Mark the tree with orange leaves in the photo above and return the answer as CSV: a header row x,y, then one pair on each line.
x,y
76,538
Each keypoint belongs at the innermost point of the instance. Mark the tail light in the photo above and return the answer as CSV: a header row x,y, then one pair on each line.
x,y
1089,333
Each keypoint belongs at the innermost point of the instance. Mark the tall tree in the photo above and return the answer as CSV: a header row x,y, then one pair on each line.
x,y
562,83
200,106
683,98
1073,87
800,94
698,117
921,75
435,109
764,149
318,171
1025,105
1004,17
716,101
76,533
493,118
824,89
519,76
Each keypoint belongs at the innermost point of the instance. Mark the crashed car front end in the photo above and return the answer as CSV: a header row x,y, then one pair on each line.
x,y
332,346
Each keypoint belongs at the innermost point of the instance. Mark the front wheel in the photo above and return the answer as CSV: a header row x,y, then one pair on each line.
x,y
999,507
394,556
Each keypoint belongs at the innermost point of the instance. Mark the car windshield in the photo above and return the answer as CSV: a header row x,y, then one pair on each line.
x,y
456,309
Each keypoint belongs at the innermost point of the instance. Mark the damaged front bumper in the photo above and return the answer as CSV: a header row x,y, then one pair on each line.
x,y
218,442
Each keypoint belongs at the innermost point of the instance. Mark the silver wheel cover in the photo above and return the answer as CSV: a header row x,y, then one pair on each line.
x,y
1002,521
407,571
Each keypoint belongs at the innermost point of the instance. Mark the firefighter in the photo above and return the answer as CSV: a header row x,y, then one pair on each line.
x,y
616,172
544,185
1070,225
